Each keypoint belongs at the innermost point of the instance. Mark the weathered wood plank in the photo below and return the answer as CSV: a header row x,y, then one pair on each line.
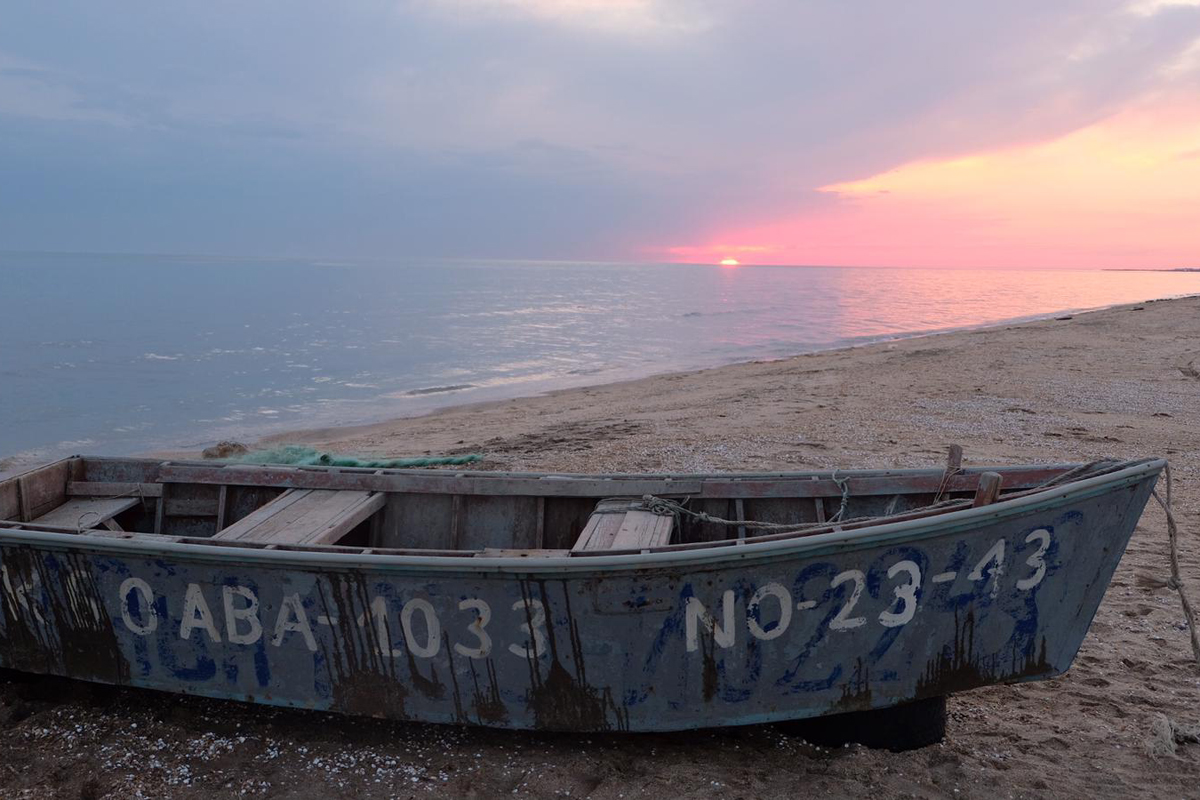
x,y
566,517
642,529
118,470
497,522
545,486
44,489
417,521
989,489
540,531
222,506
191,503
496,552
601,528
84,512
159,515
867,486
306,516
620,524
115,489
10,500
558,486
456,520
350,519
319,516
239,529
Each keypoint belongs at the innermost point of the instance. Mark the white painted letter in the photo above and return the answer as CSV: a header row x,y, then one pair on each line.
x,y
477,628
147,602
293,618
433,629
196,615
249,614
785,611
697,614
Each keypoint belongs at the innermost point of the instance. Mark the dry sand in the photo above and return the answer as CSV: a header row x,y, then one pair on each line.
x,y
1123,382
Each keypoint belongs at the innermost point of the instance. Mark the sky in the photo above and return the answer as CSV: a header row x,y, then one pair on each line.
x,y
834,132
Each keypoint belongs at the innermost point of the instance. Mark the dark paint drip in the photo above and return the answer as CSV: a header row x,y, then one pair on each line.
x,y
432,687
708,672
88,645
460,715
559,700
24,642
856,693
957,668
489,707
362,674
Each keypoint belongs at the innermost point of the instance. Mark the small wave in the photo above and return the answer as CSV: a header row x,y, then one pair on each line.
x,y
157,357
457,387
727,312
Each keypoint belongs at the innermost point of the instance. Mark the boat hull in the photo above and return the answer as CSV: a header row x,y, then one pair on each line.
x,y
733,635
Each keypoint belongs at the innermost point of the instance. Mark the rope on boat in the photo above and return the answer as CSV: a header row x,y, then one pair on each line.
x,y
844,485
1175,581
677,509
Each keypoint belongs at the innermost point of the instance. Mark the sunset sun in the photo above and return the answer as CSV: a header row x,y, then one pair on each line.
x,y
730,262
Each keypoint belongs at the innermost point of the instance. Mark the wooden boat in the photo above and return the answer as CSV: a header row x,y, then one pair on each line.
x,y
540,602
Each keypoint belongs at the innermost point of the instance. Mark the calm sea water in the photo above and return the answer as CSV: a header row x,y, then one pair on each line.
x,y
117,355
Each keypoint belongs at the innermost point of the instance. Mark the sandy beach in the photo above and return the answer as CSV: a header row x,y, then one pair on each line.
x,y
1123,382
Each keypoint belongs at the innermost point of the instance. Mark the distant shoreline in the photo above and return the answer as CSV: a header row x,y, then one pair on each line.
x,y
346,437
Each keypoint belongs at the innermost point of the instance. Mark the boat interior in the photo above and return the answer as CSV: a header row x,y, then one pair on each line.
x,y
454,513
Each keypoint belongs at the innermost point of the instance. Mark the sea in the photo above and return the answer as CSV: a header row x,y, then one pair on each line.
x,y
120,354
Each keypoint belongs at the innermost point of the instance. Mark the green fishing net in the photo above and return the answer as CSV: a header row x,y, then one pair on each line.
x,y
307,456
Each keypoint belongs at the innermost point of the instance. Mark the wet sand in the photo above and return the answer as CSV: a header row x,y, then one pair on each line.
x,y
1123,382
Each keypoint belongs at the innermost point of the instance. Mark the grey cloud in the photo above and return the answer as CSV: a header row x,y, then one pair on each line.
x,y
381,127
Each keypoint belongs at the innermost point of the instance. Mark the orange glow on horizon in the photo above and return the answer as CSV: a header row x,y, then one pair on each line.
x,y
1124,192
730,262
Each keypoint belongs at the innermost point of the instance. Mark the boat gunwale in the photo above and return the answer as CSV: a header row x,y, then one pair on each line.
x,y
670,556
445,472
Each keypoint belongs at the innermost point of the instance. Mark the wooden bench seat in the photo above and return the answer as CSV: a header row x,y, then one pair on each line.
x,y
622,524
306,516
84,513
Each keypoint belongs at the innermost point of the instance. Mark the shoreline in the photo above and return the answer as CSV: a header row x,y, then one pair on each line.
x,y
307,435
332,436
